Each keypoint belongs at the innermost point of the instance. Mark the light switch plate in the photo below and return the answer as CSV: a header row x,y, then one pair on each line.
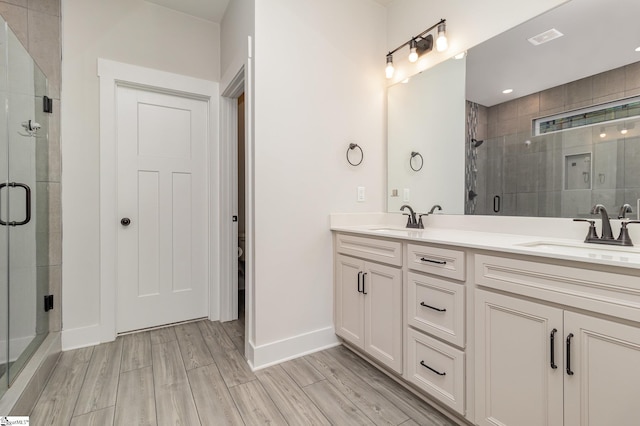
x,y
406,194
360,193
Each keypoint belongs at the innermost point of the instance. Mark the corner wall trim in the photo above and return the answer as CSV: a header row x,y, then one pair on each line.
x,y
293,347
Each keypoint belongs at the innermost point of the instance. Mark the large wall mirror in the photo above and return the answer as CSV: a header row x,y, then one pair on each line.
x,y
549,126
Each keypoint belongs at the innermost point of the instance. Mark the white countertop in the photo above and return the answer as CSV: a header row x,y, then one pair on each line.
x,y
555,248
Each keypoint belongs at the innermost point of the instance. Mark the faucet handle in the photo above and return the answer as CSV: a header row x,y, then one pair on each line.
x,y
409,219
592,234
420,224
624,237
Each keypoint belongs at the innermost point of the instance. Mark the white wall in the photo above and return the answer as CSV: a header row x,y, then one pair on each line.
x,y
427,115
237,25
318,86
468,23
130,31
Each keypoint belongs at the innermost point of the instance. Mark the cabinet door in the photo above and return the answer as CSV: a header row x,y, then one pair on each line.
x,y
515,382
605,360
383,314
349,301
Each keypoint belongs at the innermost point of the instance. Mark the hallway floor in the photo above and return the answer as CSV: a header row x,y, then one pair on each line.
x,y
194,374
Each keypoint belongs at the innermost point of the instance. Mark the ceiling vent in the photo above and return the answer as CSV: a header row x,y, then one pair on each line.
x,y
545,37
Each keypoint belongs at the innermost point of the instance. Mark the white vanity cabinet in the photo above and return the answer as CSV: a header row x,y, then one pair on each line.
x,y
436,319
538,362
368,297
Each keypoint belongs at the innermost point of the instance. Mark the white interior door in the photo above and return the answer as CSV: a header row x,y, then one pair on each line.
x,y
162,190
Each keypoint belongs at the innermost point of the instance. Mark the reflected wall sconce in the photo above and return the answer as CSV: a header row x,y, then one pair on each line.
x,y
420,44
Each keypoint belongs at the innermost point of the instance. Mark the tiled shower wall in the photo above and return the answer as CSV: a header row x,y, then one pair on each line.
x,y
528,177
36,23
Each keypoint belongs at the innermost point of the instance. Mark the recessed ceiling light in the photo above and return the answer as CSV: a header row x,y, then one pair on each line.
x,y
638,49
460,55
507,91
405,81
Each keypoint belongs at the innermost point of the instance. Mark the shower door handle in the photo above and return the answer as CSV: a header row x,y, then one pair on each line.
x,y
27,191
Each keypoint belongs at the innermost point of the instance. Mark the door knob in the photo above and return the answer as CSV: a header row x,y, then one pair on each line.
x,y
125,221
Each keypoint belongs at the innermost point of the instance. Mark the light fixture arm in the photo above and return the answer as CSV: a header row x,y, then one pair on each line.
x,y
442,21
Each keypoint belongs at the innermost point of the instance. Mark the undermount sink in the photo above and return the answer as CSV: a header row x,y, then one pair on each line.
x,y
625,254
383,230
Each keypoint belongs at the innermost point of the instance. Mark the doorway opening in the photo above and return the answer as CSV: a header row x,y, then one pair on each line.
x,y
240,195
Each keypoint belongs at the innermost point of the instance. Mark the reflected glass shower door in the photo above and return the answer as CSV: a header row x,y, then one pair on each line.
x,y
24,230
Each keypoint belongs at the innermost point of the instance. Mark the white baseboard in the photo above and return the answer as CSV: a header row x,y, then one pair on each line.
x,y
82,337
293,347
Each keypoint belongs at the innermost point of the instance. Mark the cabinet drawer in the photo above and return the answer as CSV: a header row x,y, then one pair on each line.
x,y
608,293
436,368
438,261
436,306
384,251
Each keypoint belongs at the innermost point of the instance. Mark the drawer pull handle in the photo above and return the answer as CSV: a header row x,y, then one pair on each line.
x,y
364,275
569,372
359,277
435,371
553,352
432,307
439,262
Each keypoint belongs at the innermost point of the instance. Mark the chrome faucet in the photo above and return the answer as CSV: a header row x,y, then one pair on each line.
x,y
436,206
606,224
412,222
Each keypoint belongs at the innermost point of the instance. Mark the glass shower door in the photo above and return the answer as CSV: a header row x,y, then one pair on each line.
x,y
24,242
4,213
27,192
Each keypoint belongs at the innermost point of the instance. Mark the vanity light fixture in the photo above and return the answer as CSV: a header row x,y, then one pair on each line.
x,y
413,49
441,42
389,68
418,45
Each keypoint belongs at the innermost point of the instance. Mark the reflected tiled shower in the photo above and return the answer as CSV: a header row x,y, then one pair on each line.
x,y
560,174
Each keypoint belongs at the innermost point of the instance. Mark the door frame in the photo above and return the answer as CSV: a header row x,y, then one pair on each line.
x,y
112,75
229,196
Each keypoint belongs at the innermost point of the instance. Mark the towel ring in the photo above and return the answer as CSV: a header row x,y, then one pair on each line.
x,y
353,146
413,155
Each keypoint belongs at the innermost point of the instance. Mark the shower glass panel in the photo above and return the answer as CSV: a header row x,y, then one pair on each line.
x,y
24,241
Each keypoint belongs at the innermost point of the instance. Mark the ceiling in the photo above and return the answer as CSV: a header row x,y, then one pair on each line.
x,y
211,10
598,36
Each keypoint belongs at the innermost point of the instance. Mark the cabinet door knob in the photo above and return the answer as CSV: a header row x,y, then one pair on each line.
x,y
125,221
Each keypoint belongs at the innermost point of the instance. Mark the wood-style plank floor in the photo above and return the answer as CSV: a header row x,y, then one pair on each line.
x,y
195,374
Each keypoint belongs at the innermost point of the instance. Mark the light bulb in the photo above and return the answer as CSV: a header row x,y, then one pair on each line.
x,y
603,135
441,42
389,68
413,48
624,131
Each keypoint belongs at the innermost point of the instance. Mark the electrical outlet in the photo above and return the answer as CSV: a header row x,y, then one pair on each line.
x,y
406,197
360,194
